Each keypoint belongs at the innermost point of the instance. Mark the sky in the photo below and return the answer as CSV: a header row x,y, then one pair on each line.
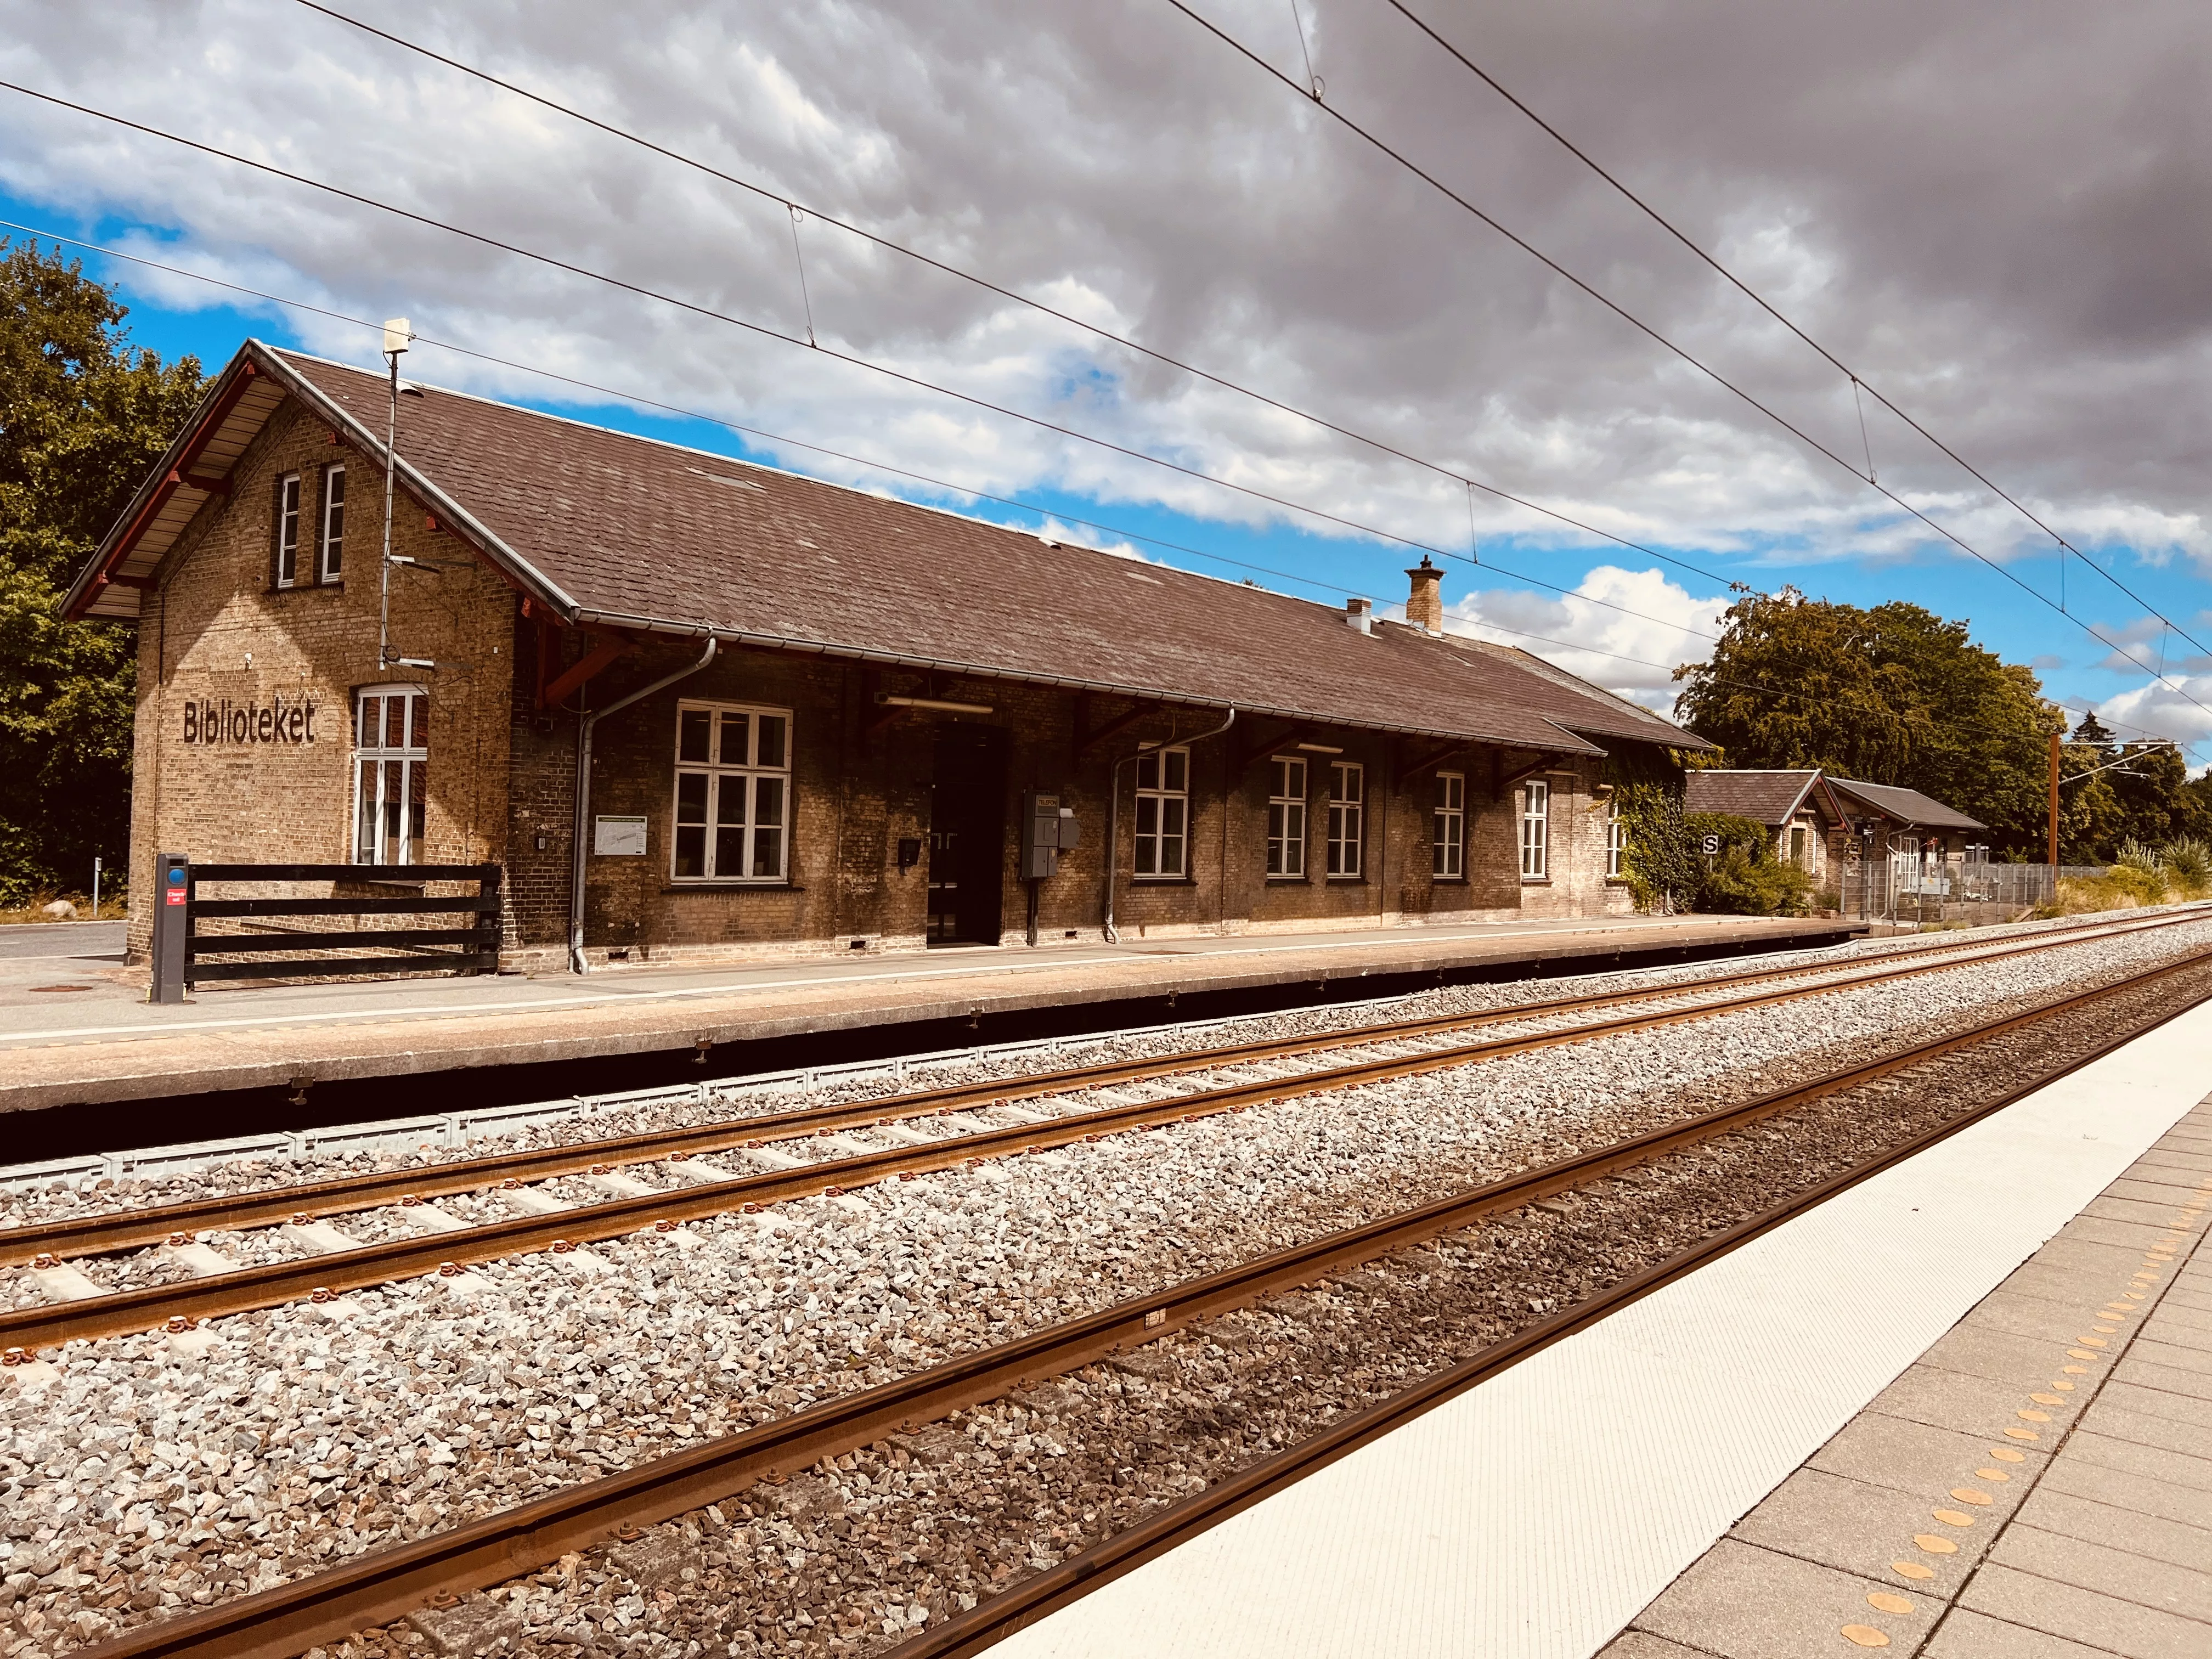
x,y
1995,216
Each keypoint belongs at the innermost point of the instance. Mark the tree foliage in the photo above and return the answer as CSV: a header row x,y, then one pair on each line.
x,y
83,416
1894,694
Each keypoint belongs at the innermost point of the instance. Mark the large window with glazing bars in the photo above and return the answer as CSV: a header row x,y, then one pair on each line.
x,y
1163,813
1447,846
1286,818
1535,830
733,793
1347,820
1616,841
392,757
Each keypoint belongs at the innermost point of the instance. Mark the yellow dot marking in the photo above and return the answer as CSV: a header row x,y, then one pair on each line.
x,y
2077,1370
2063,1387
1912,1570
2104,1330
1968,1495
2046,1400
2079,1353
1991,1474
1952,1517
2022,1434
1888,1601
2007,1455
2132,1296
2091,1342
1865,1636
1934,1545
2028,1415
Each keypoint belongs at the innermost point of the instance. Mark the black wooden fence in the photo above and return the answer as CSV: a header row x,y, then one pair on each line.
x,y
469,945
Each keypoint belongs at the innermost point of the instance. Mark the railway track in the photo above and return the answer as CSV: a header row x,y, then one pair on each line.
x,y
388,1583
447,1246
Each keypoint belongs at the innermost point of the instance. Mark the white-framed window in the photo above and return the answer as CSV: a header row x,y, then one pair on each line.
x,y
1535,830
330,534
1448,854
392,757
1798,854
732,793
1286,817
1616,841
288,530
1347,818
1162,813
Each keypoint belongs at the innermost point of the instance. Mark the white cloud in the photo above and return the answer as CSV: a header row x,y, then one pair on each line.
x,y
2037,291
1584,633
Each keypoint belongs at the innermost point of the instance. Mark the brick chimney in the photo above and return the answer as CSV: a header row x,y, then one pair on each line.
x,y
1424,605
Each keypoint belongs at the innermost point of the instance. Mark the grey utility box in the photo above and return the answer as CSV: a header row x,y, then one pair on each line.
x,y
1047,830
173,927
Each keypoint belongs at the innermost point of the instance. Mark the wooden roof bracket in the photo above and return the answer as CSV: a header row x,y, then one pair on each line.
x,y
609,646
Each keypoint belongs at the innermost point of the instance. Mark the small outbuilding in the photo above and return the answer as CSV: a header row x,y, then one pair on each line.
x,y
694,706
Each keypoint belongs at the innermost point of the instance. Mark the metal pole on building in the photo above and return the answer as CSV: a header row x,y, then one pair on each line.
x,y
397,334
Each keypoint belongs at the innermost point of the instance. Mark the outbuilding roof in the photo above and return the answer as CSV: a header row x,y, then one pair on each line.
x,y
1768,798
614,530
1906,806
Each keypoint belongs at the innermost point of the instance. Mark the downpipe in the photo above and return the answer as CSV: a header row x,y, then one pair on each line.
x,y
577,850
1114,809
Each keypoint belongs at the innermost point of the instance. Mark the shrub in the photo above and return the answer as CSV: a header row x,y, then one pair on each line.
x,y
1745,877
2188,859
2134,855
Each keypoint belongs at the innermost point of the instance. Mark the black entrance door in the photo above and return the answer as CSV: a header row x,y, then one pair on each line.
x,y
967,834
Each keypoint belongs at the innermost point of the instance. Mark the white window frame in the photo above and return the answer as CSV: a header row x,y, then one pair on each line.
x,y
1347,820
1286,818
747,777
328,540
1616,841
1162,803
1448,841
391,795
288,530
1535,830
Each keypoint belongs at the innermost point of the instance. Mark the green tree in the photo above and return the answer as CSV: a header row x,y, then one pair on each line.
x,y
83,416
1891,695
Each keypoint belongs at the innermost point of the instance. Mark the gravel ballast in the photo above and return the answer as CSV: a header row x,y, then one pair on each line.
x,y
142,1480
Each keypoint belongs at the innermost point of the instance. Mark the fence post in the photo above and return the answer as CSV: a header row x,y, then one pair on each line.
x,y
173,927
489,916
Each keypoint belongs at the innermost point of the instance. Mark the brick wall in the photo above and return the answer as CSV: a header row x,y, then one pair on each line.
x,y
218,629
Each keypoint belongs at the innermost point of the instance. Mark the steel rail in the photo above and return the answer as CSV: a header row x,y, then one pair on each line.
x,y
78,1235
383,1585
1024,1604
319,1277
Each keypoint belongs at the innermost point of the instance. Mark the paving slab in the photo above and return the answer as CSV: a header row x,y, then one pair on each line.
x,y
2095,1537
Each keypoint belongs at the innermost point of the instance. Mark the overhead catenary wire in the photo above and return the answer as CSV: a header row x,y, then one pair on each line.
x,y
1046,514
1764,304
1649,332
891,246
1315,89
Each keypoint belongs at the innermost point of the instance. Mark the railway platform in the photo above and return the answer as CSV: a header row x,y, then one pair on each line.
x,y
75,1030
1963,1409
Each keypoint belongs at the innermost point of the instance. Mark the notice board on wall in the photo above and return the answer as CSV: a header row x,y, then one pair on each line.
x,y
618,837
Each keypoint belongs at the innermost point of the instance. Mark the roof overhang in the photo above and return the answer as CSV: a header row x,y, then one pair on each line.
x,y
198,467
1568,743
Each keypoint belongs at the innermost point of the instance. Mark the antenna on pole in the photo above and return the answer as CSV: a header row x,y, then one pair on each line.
x,y
397,334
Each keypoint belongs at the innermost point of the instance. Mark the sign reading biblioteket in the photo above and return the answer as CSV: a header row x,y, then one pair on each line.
x,y
281,721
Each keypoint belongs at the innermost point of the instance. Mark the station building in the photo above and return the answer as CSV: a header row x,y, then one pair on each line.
x,y
818,718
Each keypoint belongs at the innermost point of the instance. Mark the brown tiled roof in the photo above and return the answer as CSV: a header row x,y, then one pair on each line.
x,y
1768,798
1906,806
1613,715
625,531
